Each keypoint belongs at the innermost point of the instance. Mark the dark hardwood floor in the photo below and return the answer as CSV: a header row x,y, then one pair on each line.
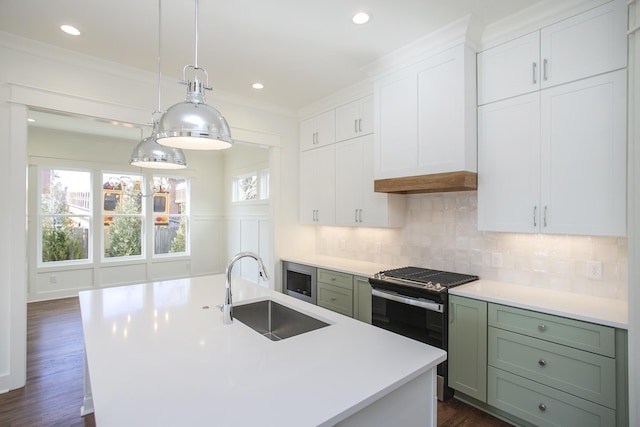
x,y
55,370
55,376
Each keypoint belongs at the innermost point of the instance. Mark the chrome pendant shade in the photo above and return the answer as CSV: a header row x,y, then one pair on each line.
x,y
193,124
149,154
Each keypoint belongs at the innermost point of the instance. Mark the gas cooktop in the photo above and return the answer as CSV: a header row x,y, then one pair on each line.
x,y
424,278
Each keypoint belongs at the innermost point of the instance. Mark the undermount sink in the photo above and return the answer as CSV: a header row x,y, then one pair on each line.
x,y
275,321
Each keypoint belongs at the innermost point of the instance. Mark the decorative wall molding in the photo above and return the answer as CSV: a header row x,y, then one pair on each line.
x,y
465,30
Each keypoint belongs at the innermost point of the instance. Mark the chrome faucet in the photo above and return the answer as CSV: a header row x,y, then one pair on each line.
x,y
227,307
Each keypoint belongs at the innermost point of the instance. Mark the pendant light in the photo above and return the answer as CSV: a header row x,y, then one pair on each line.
x,y
148,153
193,124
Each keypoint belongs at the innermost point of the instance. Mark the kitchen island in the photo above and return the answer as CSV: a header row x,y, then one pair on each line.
x,y
159,354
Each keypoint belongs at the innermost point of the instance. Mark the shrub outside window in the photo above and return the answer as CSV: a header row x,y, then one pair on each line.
x,y
122,214
170,215
65,215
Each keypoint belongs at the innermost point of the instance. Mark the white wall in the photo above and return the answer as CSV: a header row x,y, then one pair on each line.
x,y
248,227
33,74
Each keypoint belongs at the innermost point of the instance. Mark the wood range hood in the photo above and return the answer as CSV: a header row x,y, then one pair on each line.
x,y
432,183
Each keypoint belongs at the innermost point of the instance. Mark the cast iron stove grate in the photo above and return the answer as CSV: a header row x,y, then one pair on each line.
x,y
425,275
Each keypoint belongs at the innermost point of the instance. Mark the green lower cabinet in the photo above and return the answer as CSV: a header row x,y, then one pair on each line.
x,y
580,373
553,371
560,330
361,299
467,354
622,378
344,293
335,291
542,405
335,298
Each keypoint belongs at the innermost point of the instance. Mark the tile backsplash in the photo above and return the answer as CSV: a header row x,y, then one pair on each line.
x,y
441,232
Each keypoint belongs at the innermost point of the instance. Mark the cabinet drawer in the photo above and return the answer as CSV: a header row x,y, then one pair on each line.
x,y
335,298
573,333
583,374
335,278
541,405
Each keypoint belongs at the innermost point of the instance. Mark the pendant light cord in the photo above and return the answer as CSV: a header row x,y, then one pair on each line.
x,y
159,111
196,44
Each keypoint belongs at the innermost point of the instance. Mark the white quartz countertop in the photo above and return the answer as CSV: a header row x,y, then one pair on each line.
x,y
156,357
358,268
603,311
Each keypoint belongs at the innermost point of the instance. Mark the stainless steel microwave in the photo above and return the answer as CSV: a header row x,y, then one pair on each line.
x,y
299,281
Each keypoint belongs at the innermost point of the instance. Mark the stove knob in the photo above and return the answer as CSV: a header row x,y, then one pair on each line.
x,y
439,287
429,285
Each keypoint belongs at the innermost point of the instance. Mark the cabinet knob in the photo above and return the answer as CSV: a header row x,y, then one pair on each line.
x,y
542,362
333,298
542,407
333,279
542,327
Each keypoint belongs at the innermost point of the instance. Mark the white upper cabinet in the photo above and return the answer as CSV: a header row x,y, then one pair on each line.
x,y
554,161
426,117
317,186
357,205
552,155
318,131
591,43
509,165
509,69
354,119
583,151
396,133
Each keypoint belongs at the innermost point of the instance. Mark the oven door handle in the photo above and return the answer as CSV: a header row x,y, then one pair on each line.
x,y
428,305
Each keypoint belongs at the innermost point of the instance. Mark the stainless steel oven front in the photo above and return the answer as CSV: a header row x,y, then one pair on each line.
x,y
299,281
414,317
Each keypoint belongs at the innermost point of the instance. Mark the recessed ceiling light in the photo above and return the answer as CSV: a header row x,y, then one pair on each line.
x,y
257,86
30,120
70,29
360,18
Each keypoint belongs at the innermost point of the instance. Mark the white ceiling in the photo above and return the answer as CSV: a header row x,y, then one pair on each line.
x,y
301,50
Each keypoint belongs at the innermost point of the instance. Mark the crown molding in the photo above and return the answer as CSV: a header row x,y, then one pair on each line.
x,y
336,99
466,30
534,18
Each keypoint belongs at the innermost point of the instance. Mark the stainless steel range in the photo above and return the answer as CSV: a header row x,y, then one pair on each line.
x,y
413,302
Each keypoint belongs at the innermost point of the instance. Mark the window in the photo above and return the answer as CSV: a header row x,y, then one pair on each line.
x,y
122,215
170,213
250,187
127,208
65,215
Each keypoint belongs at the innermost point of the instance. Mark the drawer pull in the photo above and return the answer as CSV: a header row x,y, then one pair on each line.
x,y
542,407
542,362
333,279
333,298
542,327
